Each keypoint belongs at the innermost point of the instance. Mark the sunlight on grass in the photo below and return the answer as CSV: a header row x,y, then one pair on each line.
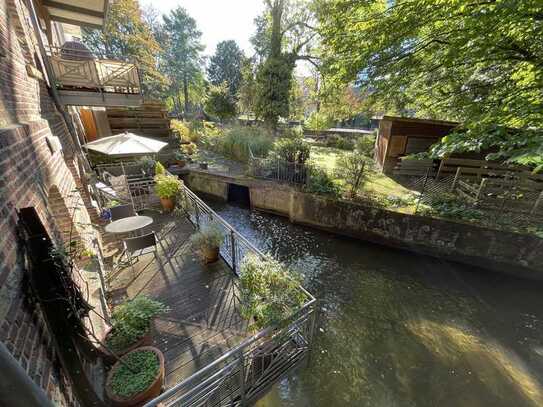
x,y
376,183
495,366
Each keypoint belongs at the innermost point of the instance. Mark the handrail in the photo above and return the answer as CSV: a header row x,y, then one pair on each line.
x,y
304,316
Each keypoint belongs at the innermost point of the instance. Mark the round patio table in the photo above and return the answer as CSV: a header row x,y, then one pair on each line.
x,y
128,225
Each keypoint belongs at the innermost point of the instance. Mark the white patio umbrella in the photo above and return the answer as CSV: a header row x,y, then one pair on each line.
x,y
126,144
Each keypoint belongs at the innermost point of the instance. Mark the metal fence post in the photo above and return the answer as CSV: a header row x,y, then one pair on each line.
x,y
233,244
243,401
423,190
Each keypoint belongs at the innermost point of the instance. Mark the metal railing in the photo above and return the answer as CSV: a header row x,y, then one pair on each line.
x,y
77,68
243,374
279,170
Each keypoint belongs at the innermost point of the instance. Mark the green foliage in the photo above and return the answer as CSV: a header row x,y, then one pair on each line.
x,y
365,145
450,206
270,293
127,37
220,103
182,129
137,372
480,63
225,67
167,186
351,169
320,182
318,121
247,88
181,59
236,141
159,168
292,150
131,320
209,236
337,141
273,82
189,149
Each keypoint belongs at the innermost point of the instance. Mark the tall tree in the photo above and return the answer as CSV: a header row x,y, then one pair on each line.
x,y
225,66
477,62
247,89
290,36
182,60
127,37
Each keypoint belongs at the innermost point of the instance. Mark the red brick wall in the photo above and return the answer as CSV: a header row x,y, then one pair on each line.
x,y
31,175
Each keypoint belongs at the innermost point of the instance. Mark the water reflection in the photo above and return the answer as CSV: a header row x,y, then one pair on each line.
x,y
398,329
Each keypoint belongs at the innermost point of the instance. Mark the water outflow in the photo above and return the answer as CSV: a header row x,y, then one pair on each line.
x,y
399,329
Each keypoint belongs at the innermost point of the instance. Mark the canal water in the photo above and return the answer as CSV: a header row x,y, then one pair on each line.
x,y
399,329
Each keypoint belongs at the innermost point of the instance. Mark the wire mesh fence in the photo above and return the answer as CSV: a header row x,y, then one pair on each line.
x,y
496,203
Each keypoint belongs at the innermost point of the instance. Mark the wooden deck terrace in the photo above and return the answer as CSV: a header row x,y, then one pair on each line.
x,y
203,321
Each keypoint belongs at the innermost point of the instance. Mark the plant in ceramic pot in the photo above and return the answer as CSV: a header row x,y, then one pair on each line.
x,y
131,325
188,150
167,187
136,378
270,293
207,242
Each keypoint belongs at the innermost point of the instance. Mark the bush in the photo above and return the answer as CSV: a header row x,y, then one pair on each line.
x,y
131,320
365,145
236,141
450,206
220,104
189,149
136,373
270,293
351,169
340,142
181,128
321,183
318,121
167,186
292,150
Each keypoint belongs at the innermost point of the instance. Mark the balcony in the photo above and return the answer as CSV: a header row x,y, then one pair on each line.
x,y
212,356
82,80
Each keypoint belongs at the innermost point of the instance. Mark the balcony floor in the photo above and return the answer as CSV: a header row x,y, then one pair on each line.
x,y
203,321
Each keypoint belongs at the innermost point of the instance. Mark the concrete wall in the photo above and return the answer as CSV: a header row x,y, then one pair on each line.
x,y
511,253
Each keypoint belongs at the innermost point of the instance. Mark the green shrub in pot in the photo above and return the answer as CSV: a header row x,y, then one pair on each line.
x,y
131,321
207,242
167,187
270,293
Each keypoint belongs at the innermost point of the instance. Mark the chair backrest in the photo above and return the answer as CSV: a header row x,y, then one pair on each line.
x,y
133,244
122,211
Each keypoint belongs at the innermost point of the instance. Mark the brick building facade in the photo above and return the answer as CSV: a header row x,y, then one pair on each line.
x,y
39,167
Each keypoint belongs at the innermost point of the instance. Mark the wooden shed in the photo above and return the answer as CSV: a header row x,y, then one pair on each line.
x,y
400,136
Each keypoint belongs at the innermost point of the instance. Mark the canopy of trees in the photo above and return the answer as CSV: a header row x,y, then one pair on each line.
x,y
477,62
225,66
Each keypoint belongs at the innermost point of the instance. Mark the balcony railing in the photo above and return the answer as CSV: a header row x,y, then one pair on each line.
x,y
246,372
77,69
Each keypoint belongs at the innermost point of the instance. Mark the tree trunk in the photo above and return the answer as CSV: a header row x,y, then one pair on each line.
x,y
186,94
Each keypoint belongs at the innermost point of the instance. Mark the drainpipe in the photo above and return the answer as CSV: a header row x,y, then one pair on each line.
x,y
54,91
16,388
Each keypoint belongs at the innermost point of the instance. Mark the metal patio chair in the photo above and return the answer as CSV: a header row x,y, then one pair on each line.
x,y
134,247
122,211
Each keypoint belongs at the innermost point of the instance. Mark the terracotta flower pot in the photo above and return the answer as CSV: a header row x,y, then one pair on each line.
x,y
210,254
167,204
145,340
151,392
181,163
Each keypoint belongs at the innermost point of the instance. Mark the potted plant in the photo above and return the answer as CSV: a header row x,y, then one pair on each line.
x,y
180,159
167,187
131,325
207,242
136,378
270,293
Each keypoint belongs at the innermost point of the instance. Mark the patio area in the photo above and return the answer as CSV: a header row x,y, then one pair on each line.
x,y
203,321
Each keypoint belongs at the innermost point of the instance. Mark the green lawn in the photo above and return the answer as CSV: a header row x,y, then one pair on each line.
x,y
377,184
